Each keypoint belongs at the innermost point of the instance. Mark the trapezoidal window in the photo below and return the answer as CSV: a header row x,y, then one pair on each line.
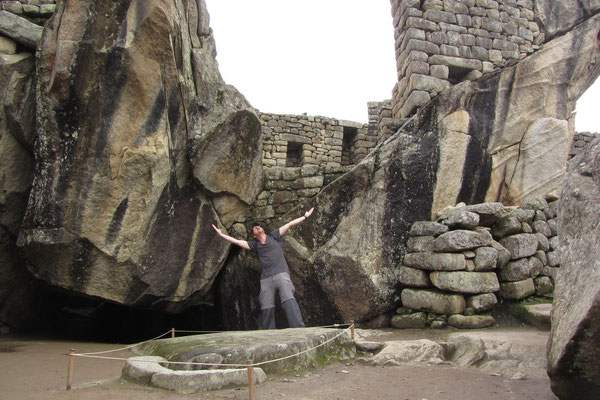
x,y
347,145
294,155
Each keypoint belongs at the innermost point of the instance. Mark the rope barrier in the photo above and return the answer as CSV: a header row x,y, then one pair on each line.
x,y
94,355
123,348
249,365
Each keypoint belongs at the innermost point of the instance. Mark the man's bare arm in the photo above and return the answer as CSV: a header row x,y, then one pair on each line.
x,y
242,243
287,226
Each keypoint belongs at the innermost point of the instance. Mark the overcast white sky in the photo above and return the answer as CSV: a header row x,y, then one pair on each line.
x,y
320,57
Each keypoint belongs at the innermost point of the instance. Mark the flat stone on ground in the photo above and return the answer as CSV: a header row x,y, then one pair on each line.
x,y
259,346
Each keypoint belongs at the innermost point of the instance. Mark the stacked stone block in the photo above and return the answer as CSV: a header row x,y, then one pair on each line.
x,y
321,140
457,266
36,11
21,24
382,125
580,140
443,42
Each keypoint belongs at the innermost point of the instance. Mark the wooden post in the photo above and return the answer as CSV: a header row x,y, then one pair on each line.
x,y
250,380
352,329
70,370
172,333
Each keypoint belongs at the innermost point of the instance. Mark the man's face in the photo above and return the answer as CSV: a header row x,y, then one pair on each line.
x,y
257,231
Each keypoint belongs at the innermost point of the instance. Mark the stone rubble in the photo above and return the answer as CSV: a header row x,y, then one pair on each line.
x,y
507,252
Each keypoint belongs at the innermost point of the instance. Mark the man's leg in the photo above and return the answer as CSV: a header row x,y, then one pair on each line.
x,y
292,311
284,285
267,303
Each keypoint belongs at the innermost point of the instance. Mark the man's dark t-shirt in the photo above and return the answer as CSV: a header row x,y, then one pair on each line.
x,y
270,255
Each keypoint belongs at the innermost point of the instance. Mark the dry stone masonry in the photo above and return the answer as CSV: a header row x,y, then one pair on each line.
x,y
440,43
457,267
22,21
301,155
287,187
298,140
581,140
30,8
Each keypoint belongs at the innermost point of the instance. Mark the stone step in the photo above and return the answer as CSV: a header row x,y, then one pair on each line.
x,y
538,315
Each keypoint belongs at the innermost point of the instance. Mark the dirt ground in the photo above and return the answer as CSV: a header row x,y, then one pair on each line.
x,y
37,369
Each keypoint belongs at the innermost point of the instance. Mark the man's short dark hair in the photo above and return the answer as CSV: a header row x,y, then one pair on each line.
x,y
254,224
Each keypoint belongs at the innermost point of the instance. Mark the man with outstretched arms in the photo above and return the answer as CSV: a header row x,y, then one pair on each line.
x,y
275,276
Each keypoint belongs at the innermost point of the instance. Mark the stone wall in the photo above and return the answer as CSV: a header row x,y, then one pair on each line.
x,y
440,43
456,267
298,140
36,11
287,187
581,140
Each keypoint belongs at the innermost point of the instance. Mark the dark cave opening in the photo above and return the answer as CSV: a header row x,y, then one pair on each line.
x,y
65,316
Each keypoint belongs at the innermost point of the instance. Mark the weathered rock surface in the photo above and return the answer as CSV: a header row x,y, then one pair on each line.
x,y
521,269
507,122
517,290
259,346
466,282
427,228
408,351
485,258
116,211
482,302
413,277
471,321
460,219
537,315
510,354
557,17
149,371
488,213
520,245
462,240
418,244
433,301
573,350
435,261
18,28
416,320
130,107
513,354
19,292
343,269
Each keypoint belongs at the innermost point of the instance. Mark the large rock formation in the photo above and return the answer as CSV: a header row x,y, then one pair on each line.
x,y
140,146
17,119
130,107
573,347
506,136
502,138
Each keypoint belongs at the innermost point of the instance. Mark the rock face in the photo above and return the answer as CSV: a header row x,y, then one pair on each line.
x,y
128,110
557,17
516,145
17,121
573,346
131,164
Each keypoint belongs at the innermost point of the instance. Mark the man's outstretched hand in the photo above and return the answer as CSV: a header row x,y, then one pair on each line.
x,y
307,214
218,230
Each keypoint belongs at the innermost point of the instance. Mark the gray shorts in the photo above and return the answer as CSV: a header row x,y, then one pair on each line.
x,y
277,283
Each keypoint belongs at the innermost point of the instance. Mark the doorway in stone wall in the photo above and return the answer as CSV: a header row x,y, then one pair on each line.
x,y
294,155
348,145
